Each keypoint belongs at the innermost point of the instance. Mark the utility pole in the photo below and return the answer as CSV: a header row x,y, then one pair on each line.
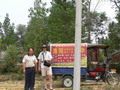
x,y
77,52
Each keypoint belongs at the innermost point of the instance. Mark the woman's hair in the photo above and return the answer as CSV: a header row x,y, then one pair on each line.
x,y
29,49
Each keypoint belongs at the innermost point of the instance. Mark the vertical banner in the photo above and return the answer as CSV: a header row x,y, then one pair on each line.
x,y
63,54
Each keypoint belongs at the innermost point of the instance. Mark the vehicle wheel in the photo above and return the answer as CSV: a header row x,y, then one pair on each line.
x,y
67,81
112,78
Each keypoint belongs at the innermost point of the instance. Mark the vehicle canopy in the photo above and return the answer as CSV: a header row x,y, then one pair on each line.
x,y
96,52
102,46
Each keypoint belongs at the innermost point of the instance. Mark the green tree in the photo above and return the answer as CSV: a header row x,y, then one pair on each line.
x,y
36,34
21,31
114,36
0,29
114,30
8,36
93,22
57,24
62,21
10,61
98,23
1,35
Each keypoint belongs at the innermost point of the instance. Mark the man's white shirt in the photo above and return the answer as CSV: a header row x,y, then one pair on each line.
x,y
47,56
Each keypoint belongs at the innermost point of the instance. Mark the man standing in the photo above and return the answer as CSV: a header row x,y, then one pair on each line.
x,y
29,66
45,70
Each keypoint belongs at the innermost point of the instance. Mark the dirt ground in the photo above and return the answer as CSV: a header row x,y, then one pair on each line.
x,y
18,85
6,84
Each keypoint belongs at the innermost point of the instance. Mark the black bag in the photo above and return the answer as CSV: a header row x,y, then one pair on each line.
x,y
48,64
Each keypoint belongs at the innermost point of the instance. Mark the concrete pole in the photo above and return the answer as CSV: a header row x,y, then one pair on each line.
x,y
77,52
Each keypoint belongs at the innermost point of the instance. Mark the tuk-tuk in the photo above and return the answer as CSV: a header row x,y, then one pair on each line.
x,y
95,63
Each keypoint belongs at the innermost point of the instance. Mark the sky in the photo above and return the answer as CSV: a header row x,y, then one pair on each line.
x,y
106,7
18,10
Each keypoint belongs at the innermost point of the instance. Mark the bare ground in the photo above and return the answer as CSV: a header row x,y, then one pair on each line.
x,y
7,84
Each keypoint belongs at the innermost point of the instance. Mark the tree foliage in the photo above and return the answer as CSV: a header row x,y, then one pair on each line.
x,y
10,59
8,35
21,32
37,34
114,29
62,21
56,25
93,23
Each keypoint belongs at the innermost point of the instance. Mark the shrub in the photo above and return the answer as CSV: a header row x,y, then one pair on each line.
x,y
10,60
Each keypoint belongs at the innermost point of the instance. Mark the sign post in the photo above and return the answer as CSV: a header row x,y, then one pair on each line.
x,y
77,52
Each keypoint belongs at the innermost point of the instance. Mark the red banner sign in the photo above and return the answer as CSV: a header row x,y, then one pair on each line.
x,y
64,53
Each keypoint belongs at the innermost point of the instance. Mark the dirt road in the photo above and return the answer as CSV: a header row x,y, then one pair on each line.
x,y
18,85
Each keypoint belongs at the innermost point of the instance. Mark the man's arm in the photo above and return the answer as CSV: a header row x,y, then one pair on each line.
x,y
50,57
39,62
49,60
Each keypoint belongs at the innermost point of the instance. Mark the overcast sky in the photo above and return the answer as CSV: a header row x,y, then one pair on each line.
x,y
18,10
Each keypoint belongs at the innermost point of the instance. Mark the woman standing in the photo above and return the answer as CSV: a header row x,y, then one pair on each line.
x,y
29,67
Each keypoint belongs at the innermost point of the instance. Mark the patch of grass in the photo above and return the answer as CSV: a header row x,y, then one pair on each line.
x,y
14,84
11,76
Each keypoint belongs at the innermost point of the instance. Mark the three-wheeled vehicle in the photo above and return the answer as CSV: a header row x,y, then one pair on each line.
x,y
95,63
